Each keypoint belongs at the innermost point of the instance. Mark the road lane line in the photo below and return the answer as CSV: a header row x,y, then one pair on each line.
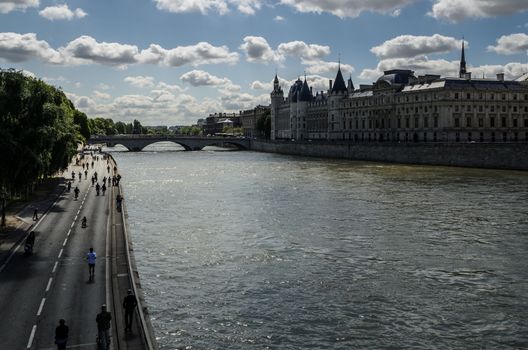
x,y
78,211
55,267
73,223
75,218
41,306
60,253
65,241
49,284
30,342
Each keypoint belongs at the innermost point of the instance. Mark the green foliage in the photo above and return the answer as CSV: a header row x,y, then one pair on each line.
x,y
191,130
264,125
40,130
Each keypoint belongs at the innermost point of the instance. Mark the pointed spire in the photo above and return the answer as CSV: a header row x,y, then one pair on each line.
x,y
339,82
462,72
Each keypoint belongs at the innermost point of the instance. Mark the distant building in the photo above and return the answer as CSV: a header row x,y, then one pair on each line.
x,y
215,123
400,107
249,118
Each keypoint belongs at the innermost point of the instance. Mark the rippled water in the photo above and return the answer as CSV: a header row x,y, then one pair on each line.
x,y
244,250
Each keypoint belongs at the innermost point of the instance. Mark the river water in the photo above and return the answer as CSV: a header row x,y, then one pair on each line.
x,y
246,250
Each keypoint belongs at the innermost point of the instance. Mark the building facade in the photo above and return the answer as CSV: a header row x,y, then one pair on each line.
x,y
249,118
400,107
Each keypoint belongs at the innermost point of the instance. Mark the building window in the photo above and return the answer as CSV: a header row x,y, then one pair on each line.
x,y
515,96
514,109
456,108
492,96
468,122
457,122
425,137
504,96
503,120
416,122
426,122
504,109
468,108
469,137
492,122
480,109
434,137
526,123
515,122
492,109
504,137
399,122
481,122
492,137
515,136
407,123
435,122
468,96
456,95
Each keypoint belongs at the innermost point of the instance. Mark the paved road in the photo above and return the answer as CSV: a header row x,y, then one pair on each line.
x,y
53,283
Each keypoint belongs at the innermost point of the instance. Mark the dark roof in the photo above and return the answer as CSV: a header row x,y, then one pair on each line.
x,y
305,94
339,83
484,84
294,89
396,76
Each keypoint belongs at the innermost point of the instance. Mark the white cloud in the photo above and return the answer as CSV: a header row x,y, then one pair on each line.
x,y
86,49
348,8
61,12
222,7
140,81
168,87
512,70
241,101
510,44
7,6
278,19
202,6
459,10
302,50
323,67
412,45
257,49
98,95
202,78
258,85
78,84
16,47
198,54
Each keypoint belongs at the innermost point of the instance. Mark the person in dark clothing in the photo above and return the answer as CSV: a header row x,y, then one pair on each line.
x,y
35,215
129,304
61,335
103,320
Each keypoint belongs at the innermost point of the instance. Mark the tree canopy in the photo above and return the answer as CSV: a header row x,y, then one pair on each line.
x,y
39,133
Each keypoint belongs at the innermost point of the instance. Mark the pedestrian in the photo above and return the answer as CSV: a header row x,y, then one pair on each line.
x,y
91,257
35,215
129,304
61,335
103,325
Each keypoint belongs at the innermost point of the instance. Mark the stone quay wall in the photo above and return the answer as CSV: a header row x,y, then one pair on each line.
x,y
474,155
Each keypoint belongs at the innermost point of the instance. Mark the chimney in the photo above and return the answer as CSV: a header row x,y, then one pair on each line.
x,y
330,85
500,77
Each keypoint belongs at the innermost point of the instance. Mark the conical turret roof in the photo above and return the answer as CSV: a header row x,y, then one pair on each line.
x,y
339,84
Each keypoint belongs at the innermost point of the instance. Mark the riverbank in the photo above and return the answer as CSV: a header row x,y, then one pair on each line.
x,y
513,156
125,276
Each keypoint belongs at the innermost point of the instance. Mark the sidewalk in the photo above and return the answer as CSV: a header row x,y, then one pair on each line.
x,y
19,215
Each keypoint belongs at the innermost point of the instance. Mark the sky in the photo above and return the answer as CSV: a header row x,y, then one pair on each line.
x,y
170,62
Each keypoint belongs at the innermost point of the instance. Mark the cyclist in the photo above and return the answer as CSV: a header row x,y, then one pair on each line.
x,y
76,192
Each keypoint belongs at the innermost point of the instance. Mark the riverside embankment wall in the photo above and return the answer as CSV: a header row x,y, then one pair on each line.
x,y
476,155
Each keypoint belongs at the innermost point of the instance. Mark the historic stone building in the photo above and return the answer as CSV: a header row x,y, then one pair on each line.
x,y
249,118
400,107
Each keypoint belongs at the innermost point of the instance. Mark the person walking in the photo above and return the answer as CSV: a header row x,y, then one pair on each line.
x,y
129,304
35,214
61,335
103,326
91,257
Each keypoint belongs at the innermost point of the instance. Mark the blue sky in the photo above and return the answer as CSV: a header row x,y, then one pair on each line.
x,y
169,62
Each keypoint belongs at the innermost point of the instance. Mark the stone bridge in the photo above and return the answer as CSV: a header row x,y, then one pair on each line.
x,y
191,143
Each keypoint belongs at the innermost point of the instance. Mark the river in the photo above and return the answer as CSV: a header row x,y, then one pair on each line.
x,y
247,250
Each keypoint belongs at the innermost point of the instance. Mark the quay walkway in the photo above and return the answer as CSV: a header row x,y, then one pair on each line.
x,y
53,283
